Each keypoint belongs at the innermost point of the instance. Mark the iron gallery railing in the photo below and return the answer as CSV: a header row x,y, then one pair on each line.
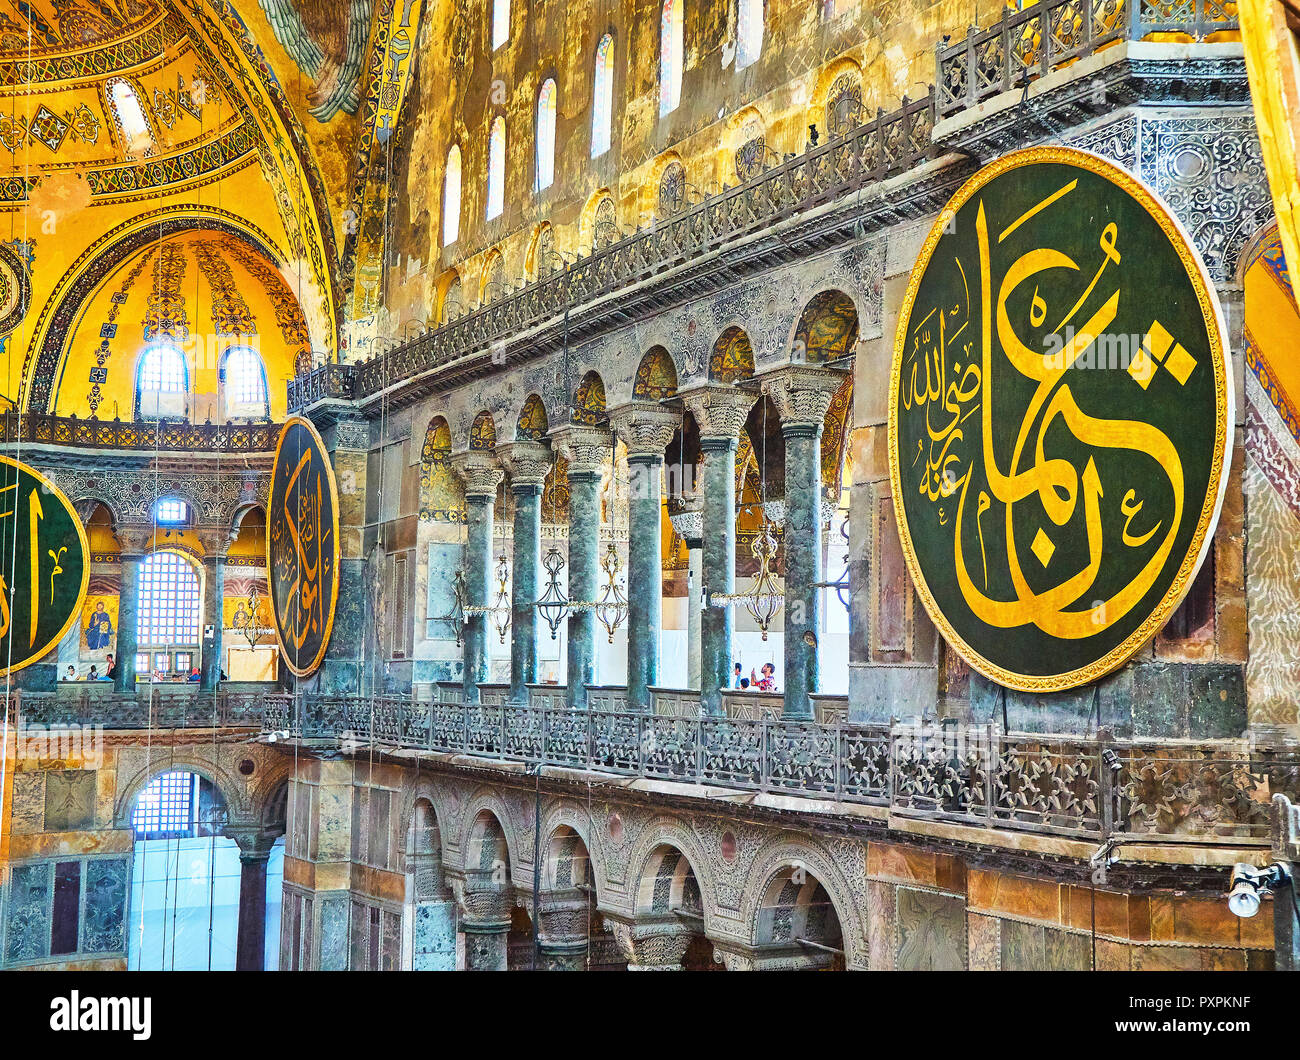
x,y
1021,46
32,428
1024,45
158,709
978,775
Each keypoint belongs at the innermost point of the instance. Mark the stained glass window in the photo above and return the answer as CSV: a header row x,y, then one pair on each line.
x,y
171,511
500,23
168,807
546,134
749,32
162,368
245,377
672,50
168,601
451,198
496,189
602,102
130,116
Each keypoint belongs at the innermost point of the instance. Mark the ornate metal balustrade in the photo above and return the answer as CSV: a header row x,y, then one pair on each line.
x,y
1024,45
158,709
1089,788
30,428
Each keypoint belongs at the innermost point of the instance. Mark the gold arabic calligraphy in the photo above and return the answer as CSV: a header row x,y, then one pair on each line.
x,y
948,374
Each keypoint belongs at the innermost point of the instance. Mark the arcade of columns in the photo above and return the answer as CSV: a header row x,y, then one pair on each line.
x,y
801,395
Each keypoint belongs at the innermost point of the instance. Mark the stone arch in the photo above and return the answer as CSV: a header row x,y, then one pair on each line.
x,y
784,851
599,222
483,432
241,513
45,355
492,279
670,832
650,194
732,357
542,256
838,98
449,296
472,823
589,407
656,376
240,806
827,328
442,497
745,143
567,861
533,423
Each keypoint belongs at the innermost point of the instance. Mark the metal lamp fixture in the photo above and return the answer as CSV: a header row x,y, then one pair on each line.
x,y
611,607
553,605
499,609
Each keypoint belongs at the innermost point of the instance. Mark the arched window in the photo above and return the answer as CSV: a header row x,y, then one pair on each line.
x,y
162,381
749,32
168,609
672,50
243,379
602,97
496,189
171,511
546,135
500,23
126,108
451,198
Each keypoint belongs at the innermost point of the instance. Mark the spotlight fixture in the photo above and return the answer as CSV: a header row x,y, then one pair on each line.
x,y
1249,884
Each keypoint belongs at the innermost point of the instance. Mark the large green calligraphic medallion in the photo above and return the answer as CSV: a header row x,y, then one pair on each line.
x,y
1060,418
44,560
302,546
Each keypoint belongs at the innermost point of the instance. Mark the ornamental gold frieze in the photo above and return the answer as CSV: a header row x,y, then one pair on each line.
x,y
1060,418
137,45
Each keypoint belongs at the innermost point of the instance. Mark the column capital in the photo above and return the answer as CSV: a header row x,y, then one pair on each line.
x,y
645,427
479,470
650,943
585,448
133,542
254,841
527,463
719,411
802,393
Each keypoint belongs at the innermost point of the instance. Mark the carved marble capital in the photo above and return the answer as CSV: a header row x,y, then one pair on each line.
x,y
802,393
645,427
719,411
651,944
527,463
479,471
585,448
132,541
485,907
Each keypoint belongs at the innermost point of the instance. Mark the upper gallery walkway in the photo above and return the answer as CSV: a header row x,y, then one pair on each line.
x,y
667,262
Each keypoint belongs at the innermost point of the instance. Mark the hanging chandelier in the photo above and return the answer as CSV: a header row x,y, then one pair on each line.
x,y
499,609
553,605
456,616
763,599
611,606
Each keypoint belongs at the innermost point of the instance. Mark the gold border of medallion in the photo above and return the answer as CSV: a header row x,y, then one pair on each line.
x,y
1203,539
334,591
5,671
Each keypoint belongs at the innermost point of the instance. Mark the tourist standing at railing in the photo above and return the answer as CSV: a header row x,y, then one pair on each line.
x,y
766,682
736,679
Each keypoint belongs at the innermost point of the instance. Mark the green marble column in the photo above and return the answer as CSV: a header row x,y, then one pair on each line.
x,y
585,449
128,618
215,570
645,429
802,395
720,412
527,464
479,471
